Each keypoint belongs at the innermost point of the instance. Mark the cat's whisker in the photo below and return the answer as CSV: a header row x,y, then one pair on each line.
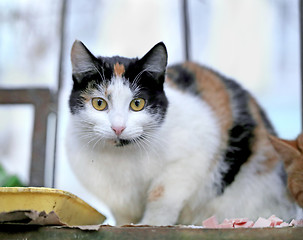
x,y
98,140
148,140
147,143
142,148
89,139
102,76
89,136
137,78
155,143
84,146
151,133
81,120
149,136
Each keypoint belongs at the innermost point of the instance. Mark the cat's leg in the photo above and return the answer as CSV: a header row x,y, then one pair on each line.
x,y
170,192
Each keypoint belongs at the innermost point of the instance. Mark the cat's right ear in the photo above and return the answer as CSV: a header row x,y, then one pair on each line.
x,y
82,60
155,61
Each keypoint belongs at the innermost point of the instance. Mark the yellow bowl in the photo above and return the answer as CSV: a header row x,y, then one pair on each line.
x,y
70,209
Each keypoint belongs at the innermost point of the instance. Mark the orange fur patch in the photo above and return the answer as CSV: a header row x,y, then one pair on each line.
x,y
156,193
293,162
119,70
291,143
215,94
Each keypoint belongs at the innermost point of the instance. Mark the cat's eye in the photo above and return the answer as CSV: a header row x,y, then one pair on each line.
x,y
99,104
137,104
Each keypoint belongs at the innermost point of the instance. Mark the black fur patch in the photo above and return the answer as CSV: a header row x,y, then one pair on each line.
x,y
241,135
183,77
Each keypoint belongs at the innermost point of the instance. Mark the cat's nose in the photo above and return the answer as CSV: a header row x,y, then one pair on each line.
x,y
118,129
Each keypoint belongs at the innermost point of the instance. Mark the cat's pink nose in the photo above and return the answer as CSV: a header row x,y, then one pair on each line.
x,y
118,130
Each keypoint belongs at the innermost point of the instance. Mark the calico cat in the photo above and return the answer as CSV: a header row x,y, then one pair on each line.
x,y
171,145
292,155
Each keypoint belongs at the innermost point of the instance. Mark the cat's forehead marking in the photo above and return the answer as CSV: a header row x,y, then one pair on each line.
x,y
119,70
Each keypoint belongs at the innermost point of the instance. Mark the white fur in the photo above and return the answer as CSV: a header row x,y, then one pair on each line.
x,y
179,156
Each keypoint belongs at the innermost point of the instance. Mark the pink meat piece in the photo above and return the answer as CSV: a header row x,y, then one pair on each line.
x,y
292,223
248,224
226,225
284,224
297,223
272,221
228,221
210,222
300,223
236,220
240,221
262,223
275,221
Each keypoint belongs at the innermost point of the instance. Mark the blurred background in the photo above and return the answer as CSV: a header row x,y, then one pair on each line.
x,y
255,42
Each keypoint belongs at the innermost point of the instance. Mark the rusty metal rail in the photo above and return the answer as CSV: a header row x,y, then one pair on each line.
x,y
133,233
44,103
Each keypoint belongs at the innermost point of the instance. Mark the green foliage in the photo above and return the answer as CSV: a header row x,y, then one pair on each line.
x,y
7,180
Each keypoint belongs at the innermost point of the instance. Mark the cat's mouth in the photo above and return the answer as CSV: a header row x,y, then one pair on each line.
x,y
118,142
122,142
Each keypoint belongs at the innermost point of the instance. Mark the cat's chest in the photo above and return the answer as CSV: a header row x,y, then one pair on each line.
x,y
114,171
121,182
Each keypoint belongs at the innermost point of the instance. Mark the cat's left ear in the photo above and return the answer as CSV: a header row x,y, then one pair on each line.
x,y
155,61
82,60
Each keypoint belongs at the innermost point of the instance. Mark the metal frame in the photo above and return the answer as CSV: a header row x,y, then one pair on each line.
x,y
186,29
43,102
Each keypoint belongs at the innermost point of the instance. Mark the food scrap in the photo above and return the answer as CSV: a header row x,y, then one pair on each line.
x,y
272,221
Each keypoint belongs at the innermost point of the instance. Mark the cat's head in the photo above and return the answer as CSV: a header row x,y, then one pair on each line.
x,y
115,99
291,152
